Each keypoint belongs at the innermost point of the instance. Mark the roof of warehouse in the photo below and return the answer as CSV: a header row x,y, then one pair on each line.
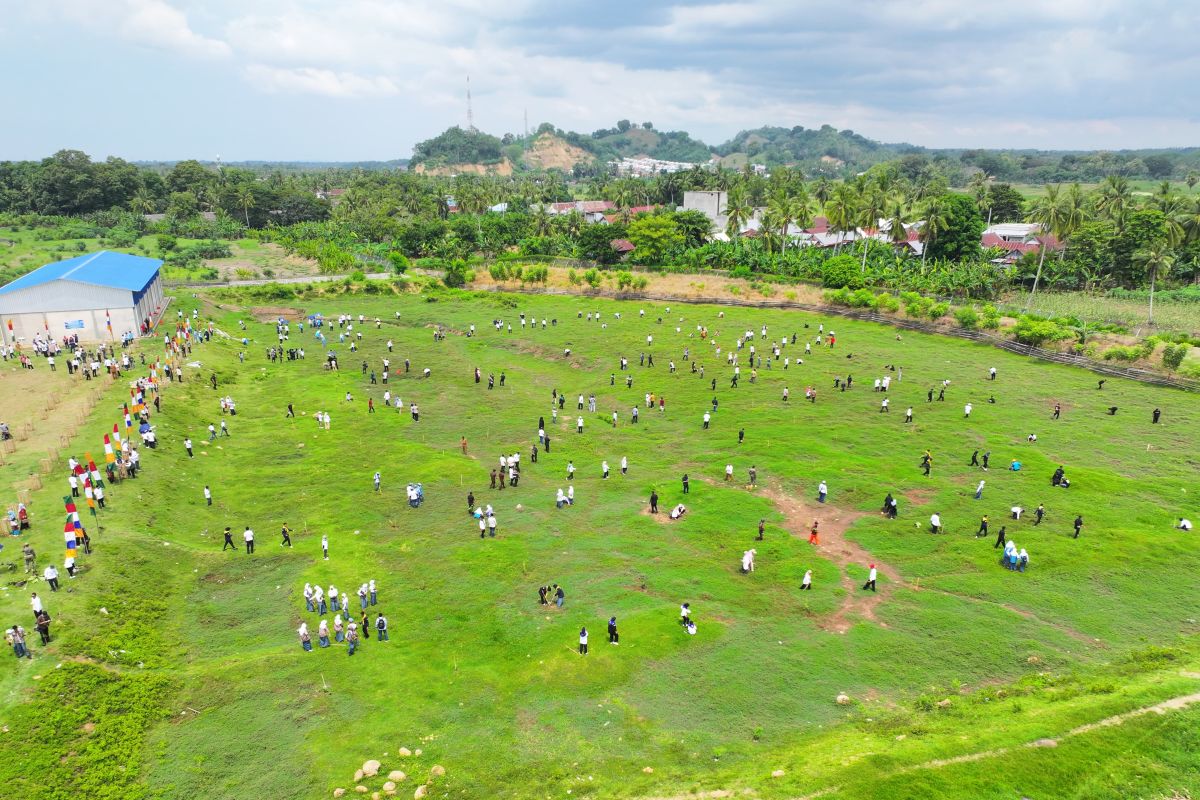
x,y
103,268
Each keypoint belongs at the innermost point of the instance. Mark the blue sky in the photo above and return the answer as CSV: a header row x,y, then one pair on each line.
x,y
365,79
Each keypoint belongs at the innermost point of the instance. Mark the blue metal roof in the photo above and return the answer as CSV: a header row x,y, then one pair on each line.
x,y
102,268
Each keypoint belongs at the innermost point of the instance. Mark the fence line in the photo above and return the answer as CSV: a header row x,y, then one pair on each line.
x,y
1145,376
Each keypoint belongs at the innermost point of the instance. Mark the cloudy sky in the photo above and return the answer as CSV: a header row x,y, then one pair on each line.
x,y
365,79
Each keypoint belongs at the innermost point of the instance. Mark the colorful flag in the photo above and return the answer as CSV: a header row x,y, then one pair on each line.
x,y
97,478
109,456
69,536
128,418
108,322
88,493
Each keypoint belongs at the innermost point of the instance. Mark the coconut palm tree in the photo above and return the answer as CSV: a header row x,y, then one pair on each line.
x,y
872,206
840,209
737,212
1048,212
1115,200
245,201
1157,259
936,222
142,202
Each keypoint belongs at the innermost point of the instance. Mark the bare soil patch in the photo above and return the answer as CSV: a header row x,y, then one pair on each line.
x,y
271,313
798,517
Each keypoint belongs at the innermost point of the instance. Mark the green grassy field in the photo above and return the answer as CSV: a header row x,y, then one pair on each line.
x,y
193,683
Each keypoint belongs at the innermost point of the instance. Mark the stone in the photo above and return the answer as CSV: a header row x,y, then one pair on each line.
x,y
376,796
648,770
418,752
370,768
843,700
396,775
1046,743
389,786
361,789
944,703
437,771
777,773
339,792
404,751
358,775
421,791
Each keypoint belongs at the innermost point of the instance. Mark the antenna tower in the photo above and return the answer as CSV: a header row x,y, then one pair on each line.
x,y
470,113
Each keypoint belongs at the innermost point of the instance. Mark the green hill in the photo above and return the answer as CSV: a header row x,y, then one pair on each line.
x,y
823,149
457,146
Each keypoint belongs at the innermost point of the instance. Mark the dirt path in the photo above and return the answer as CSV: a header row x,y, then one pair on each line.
x,y
1163,707
857,604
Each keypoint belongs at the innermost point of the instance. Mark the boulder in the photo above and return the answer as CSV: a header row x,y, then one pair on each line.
x,y
358,775
944,703
339,792
404,751
420,792
389,786
376,796
361,789
370,768
843,700
396,775
648,770
437,771
777,773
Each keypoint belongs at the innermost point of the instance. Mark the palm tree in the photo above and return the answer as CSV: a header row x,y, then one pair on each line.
x,y
1157,259
541,220
823,190
1047,212
737,212
840,209
1114,200
1074,214
778,216
897,234
936,222
1189,221
981,188
245,201
872,206
142,202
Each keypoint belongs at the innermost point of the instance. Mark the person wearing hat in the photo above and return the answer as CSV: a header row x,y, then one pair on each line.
x,y
870,584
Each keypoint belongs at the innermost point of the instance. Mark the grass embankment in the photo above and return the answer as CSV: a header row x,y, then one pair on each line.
x,y
488,684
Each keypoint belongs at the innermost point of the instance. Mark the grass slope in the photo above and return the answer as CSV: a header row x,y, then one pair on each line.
x,y
193,683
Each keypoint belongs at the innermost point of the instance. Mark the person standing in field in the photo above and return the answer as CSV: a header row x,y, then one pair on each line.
x,y
381,627
248,535
286,533
583,639
325,546
870,584
813,539
806,584
822,492
613,638
1078,525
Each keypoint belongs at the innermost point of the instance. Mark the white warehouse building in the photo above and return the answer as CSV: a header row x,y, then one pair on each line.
x,y
84,295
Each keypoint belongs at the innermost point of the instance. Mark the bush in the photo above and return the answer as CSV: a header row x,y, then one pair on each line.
x,y
167,242
938,310
358,276
640,282
967,318
499,272
888,303
593,278
456,275
399,261
1036,331
573,277
624,279
915,305
841,271
1173,355
991,318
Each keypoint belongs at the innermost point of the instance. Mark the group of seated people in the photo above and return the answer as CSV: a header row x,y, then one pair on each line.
x,y
567,499
1013,558
678,511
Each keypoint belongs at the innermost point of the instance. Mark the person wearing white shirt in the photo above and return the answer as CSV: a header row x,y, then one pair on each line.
x,y
870,584
1184,524
323,633
583,637
325,547
624,465
806,584
36,603
967,410
579,425
571,495
707,417
51,576
308,597
604,469
729,472
333,598
560,499
319,599
748,560
822,492
935,523
371,591
685,613
248,535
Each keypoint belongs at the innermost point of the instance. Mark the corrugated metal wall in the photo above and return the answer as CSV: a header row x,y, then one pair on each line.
x,y
64,296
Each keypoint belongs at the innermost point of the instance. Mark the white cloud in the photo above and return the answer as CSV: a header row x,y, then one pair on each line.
x,y
310,80
151,23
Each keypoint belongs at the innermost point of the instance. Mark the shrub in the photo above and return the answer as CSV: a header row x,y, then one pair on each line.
x,y
499,272
938,310
640,282
167,242
358,276
399,261
1173,355
887,302
1036,331
624,279
456,275
573,277
915,305
967,318
593,278
990,320
841,271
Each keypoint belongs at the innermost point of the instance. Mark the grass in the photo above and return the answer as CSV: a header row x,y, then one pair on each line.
x,y
197,655
1183,317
